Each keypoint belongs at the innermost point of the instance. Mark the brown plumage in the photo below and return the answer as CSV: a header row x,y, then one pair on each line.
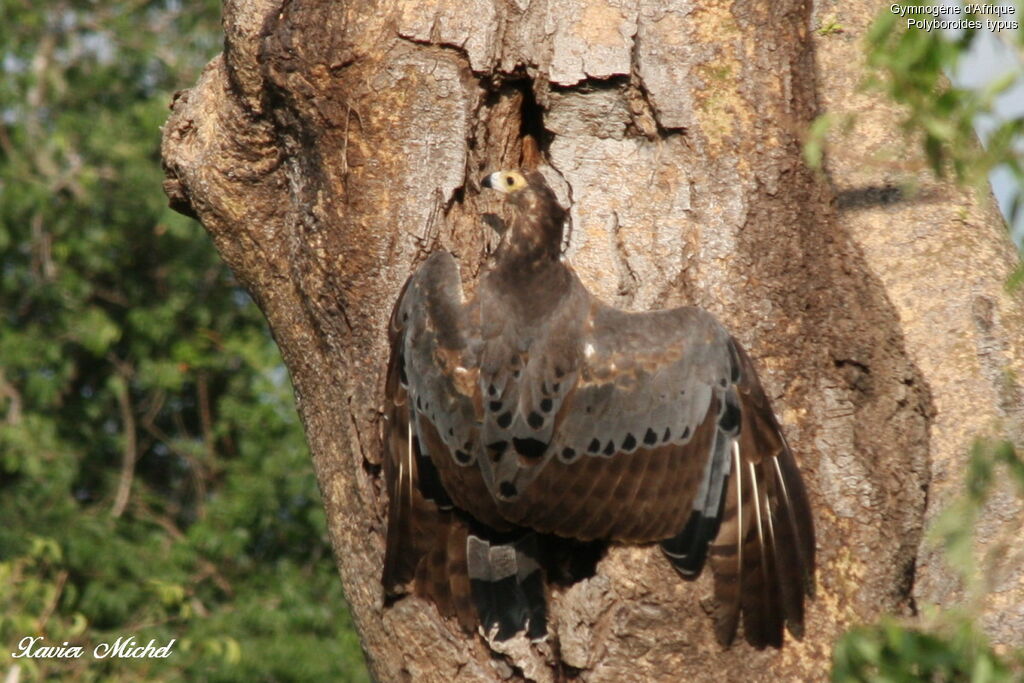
x,y
534,411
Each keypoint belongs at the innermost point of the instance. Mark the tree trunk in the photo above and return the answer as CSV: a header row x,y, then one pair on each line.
x,y
333,145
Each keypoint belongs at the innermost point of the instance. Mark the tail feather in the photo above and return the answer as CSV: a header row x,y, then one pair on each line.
x,y
797,515
507,585
762,614
789,557
762,558
727,557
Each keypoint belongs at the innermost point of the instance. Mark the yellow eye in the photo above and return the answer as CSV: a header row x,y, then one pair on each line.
x,y
505,182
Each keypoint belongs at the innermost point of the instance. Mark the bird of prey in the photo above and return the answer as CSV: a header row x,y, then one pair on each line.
x,y
532,419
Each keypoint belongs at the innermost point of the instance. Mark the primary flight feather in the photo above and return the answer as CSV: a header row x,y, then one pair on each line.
x,y
533,418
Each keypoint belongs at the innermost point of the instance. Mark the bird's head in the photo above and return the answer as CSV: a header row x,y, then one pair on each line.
x,y
537,217
506,182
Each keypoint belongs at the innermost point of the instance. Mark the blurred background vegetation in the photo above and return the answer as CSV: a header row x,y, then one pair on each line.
x,y
947,112
154,479
958,88
948,644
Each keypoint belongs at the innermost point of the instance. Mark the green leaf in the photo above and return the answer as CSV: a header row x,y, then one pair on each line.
x,y
94,330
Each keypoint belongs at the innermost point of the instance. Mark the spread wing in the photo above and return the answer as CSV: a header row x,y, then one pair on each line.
x,y
630,411
588,422
428,321
431,443
432,391
651,427
763,555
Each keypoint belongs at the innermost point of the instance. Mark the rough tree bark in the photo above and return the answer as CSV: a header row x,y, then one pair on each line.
x,y
332,145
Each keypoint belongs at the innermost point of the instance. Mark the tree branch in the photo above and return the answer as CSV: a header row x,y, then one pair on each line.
x,y
7,389
129,452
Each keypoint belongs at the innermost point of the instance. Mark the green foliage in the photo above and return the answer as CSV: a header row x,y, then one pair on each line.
x,y
890,651
154,480
829,27
943,645
954,528
912,64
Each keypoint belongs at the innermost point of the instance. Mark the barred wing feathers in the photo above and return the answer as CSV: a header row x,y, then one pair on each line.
x,y
572,418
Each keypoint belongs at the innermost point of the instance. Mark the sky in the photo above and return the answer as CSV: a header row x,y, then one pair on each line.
x,y
991,57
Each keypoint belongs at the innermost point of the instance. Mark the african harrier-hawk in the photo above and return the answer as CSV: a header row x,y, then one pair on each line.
x,y
533,418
